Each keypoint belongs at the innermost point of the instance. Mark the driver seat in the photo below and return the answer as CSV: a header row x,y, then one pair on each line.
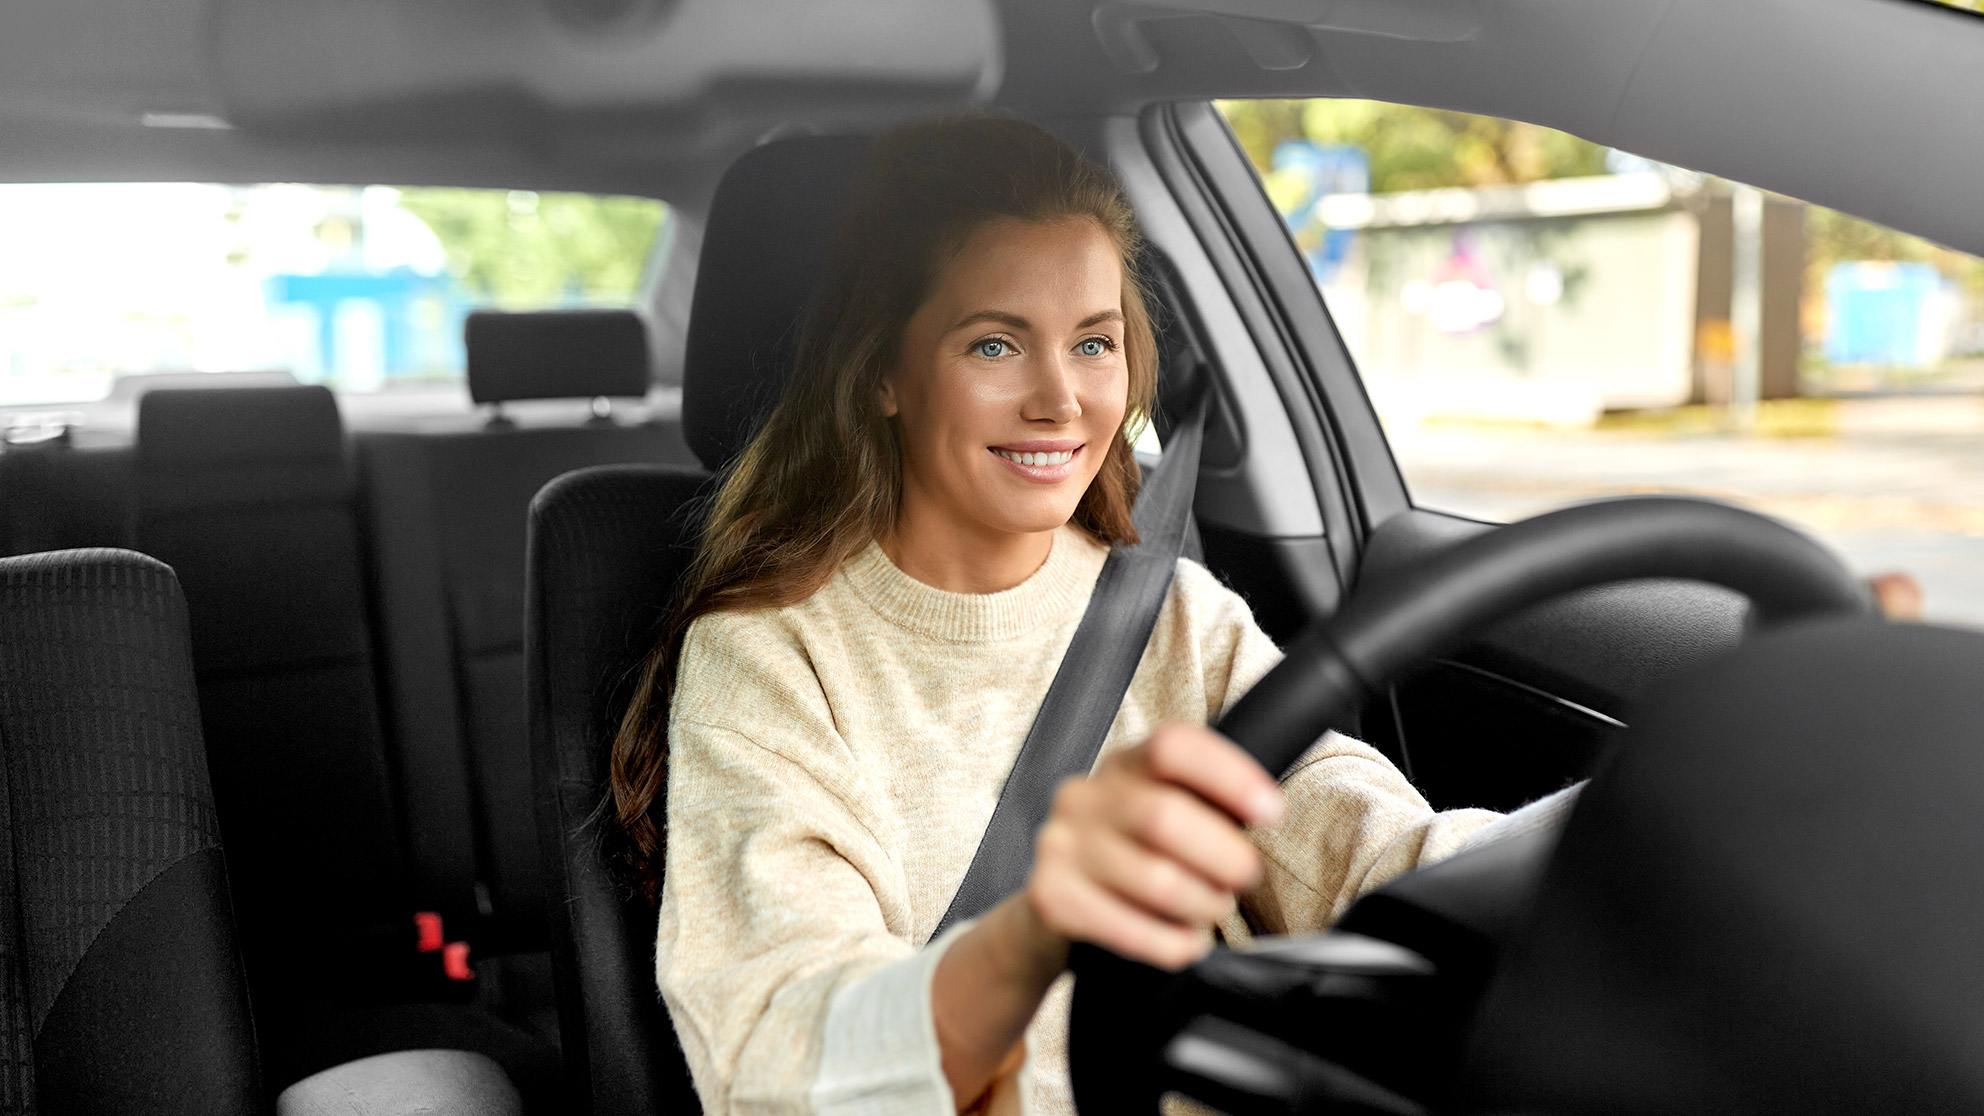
x,y
607,546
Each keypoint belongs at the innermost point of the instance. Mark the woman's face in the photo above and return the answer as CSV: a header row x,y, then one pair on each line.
x,y
1012,381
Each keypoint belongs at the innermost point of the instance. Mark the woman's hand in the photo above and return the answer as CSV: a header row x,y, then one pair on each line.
x,y
1145,855
1898,594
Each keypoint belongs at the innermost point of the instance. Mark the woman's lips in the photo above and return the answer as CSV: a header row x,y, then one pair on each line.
x,y
1059,460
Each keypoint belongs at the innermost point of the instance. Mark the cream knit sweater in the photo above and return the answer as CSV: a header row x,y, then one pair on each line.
x,y
832,765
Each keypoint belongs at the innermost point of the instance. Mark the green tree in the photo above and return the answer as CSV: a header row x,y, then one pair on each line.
x,y
1414,148
521,248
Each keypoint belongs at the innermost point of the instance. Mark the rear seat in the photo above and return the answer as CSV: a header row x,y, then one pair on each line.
x,y
445,513
249,495
345,811
56,497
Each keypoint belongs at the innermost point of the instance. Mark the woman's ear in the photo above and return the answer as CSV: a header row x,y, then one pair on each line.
x,y
885,395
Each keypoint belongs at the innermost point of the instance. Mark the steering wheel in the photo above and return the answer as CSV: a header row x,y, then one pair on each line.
x,y
1125,1013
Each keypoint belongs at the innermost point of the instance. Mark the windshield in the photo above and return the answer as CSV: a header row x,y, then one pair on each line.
x,y
361,288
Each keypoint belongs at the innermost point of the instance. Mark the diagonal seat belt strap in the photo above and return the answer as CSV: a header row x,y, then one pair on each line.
x,y
1094,675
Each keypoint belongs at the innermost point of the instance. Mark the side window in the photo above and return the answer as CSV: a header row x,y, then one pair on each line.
x,y
1539,321
362,288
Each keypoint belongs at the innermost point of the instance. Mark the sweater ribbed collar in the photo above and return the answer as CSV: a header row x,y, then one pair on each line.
x,y
1049,594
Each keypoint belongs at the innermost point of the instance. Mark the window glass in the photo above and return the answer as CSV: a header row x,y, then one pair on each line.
x,y
362,288
1540,320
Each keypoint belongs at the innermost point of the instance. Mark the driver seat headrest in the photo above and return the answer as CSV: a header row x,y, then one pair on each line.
x,y
770,228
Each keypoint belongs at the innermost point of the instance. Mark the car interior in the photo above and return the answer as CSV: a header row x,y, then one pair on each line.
x,y
305,701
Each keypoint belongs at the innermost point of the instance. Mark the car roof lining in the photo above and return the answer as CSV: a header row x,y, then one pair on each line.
x,y
1854,104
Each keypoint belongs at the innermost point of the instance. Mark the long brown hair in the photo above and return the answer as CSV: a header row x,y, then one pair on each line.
x,y
823,476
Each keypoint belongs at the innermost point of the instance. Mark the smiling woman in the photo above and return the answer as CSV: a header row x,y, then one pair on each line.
x,y
1003,386
887,584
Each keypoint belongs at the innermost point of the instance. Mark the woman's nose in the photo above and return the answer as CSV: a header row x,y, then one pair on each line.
x,y
1052,398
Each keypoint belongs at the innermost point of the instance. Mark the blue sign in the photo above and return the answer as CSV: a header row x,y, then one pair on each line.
x,y
1300,174
376,325
1882,313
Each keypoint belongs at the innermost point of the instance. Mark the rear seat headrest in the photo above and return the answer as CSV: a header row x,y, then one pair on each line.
x,y
208,446
556,354
764,245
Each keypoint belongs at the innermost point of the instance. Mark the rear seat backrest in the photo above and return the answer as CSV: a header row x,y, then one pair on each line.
x,y
445,512
248,495
556,354
55,497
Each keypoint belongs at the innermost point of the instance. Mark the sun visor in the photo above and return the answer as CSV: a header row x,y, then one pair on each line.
x,y
535,70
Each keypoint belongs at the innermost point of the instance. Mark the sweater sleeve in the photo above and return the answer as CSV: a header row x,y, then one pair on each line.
x,y
1353,820
788,988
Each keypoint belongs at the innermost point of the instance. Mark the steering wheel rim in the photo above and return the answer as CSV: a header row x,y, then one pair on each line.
x,y
1404,621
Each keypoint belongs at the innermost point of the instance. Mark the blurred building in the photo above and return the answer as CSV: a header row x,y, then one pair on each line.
x,y
1553,301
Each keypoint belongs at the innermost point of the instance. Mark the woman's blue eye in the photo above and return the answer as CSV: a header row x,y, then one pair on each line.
x,y
1093,347
991,347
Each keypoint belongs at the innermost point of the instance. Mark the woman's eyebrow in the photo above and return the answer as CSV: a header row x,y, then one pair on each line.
x,y
1010,321
1014,321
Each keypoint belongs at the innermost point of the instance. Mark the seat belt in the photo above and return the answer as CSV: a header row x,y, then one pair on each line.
x,y
1094,675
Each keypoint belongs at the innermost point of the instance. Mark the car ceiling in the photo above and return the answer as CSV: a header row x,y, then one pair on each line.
x,y
1863,105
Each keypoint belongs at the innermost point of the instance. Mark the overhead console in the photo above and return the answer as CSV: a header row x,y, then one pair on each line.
x,y
625,76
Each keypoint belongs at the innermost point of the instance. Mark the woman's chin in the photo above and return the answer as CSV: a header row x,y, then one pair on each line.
x,y
1038,517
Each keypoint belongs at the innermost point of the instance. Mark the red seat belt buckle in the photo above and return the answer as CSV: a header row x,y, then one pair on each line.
x,y
454,961
428,935
431,937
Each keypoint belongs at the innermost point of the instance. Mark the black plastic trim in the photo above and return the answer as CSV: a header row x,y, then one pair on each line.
x,y
1583,712
1172,152
1312,355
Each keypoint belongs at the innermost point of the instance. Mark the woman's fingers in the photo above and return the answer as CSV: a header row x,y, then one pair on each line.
x,y
1078,908
1145,855
1180,825
1157,884
1214,768
1898,594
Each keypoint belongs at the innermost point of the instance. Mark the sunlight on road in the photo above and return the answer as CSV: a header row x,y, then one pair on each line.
x,y
1894,483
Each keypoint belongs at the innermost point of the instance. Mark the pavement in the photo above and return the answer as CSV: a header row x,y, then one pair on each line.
x,y
1890,483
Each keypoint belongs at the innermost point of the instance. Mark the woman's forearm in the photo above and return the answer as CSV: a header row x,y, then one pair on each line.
x,y
986,988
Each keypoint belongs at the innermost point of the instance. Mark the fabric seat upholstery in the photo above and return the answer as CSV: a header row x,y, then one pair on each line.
x,y
607,547
251,495
445,512
123,986
247,494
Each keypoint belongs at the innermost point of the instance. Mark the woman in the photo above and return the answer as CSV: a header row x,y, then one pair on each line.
x,y
886,584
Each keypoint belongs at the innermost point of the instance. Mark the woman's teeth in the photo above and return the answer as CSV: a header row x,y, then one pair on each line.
x,y
1036,458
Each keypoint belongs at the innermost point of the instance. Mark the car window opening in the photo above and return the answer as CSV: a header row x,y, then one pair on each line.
x,y
1540,320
